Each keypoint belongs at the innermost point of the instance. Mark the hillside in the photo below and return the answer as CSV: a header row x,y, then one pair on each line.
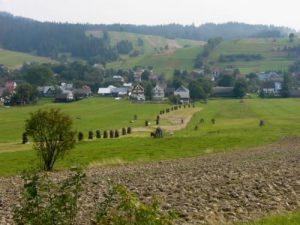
x,y
272,51
14,60
274,57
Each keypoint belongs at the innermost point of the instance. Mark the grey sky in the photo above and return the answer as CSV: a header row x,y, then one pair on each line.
x,y
278,12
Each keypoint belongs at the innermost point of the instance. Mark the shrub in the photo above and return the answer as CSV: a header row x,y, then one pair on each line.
x,y
157,121
124,131
91,135
24,138
129,130
105,134
48,203
146,123
261,123
98,134
80,136
213,121
135,117
52,134
116,133
111,134
122,207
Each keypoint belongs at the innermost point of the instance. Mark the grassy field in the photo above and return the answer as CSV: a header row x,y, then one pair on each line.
x,y
236,127
274,59
284,219
14,60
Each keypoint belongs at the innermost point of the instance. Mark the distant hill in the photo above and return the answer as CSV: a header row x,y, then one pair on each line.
x,y
227,31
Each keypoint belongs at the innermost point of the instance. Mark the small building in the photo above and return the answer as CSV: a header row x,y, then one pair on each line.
x,y
118,78
65,96
106,91
158,93
49,91
271,88
66,86
138,93
83,92
119,91
222,92
183,93
137,76
10,87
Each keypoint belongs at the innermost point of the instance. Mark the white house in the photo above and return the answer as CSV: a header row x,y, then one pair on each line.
x,y
138,93
158,93
272,88
183,93
106,91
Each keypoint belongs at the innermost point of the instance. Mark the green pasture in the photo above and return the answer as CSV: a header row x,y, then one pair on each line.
x,y
292,218
14,60
237,126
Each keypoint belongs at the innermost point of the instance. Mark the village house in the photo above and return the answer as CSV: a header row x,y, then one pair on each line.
x,y
106,91
137,76
83,92
49,91
118,78
158,93
271,76
183,93
271,88
138,93
65,96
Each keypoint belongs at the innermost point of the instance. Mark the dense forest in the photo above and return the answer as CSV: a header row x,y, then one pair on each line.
x,y
53,39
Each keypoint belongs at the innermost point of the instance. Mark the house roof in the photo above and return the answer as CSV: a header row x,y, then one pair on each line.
x,y
182,89
268,85
104,91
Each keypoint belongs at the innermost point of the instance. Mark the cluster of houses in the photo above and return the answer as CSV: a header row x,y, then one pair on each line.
x,y
137,92
65,92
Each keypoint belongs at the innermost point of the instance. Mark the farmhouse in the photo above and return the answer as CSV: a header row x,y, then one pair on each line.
x,y
106,91
183,93
65,96
138,93
118,78
83,92
49,91
271,88
119,91
271,76
158,93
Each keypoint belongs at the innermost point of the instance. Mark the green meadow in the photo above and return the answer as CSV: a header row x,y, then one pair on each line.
x,y
237,127
14,60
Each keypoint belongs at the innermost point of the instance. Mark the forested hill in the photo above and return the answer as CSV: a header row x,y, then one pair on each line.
x,y
227,31
52,39
57,39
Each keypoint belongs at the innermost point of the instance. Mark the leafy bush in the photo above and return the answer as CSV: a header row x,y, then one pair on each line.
x,y
121,207
91,135
116,133
105,134
52,134
111,134
80,136
25,138
98,134
129,130
48,203
123,131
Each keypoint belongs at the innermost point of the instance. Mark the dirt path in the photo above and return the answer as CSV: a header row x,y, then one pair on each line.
x,y
177,120
215,189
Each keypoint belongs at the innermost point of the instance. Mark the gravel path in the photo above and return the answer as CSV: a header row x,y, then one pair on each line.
x,y
215,189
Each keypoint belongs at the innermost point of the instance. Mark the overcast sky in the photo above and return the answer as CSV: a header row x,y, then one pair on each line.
x,y
277,12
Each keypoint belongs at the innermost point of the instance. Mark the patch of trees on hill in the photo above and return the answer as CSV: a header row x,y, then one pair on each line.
x,y
51,39
240,57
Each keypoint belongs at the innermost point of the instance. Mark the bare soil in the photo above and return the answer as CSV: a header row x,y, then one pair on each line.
x,y
216,189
